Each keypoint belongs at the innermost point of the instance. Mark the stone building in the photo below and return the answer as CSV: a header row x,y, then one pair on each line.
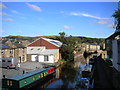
x,y
17,50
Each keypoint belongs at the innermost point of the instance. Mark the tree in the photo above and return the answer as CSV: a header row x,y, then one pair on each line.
x,y
62,37
67,52
67,48
62,34
116,15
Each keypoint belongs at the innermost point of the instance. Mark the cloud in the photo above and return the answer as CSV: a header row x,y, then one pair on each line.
x,y
2,6
3,14
2,31
16,12
67,27
108,23
111,25
8,19
20,31
75,14
22,17
34,7
103,22
62,12
85,15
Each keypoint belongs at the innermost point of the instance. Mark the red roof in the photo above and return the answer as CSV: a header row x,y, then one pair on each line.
x,y
43,42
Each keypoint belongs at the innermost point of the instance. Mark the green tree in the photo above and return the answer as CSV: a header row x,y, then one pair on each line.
x,y
67,48
62,34
116,15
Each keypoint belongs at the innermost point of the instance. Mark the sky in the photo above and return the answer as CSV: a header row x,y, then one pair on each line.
x,y
89,19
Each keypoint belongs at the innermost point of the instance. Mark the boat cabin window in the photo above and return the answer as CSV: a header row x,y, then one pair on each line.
x,y
8,82
38,76
11,83
25,82
33,78
42,74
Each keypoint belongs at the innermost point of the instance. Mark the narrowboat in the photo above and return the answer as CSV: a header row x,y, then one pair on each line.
x,y
82,83
21,81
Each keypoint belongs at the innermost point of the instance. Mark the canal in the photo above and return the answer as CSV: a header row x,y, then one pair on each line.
x,y
67,75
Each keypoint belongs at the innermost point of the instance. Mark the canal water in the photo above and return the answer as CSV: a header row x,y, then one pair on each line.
x,y
66,75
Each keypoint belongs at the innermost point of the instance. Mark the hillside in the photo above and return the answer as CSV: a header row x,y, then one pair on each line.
x,y
79,39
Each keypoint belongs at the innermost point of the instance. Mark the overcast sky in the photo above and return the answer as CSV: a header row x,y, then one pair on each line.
x,y
90,19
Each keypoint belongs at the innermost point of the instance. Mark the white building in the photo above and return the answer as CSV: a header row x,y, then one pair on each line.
x,y
44,50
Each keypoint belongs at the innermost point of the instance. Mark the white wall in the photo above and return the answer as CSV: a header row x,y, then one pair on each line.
x,y
34,50
41,58
39,52
115,53
51,59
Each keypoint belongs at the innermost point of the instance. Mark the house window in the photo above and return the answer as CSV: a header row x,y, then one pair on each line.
x,y
46,58
23,58
38,48
31,48
9,61
2,51
23,50
11,52
3,60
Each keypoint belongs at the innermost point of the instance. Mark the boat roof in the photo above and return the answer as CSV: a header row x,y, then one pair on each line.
x,y
22,76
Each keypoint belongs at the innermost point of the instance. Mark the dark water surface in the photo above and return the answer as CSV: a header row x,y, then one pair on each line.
x,y
66,75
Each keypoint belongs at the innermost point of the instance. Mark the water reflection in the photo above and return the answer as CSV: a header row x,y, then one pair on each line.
x,y
67,75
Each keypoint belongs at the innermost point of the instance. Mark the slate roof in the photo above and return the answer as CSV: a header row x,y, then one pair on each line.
x,y
19,45
4,46
51,41
113,35
55,42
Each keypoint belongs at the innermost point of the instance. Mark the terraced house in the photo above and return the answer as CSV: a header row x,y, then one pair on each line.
x,y
44,50
17,50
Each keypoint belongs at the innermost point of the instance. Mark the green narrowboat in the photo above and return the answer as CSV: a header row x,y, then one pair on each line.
x,y
20,81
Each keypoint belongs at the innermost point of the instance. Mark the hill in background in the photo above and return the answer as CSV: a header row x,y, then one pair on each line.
x,y
79,39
